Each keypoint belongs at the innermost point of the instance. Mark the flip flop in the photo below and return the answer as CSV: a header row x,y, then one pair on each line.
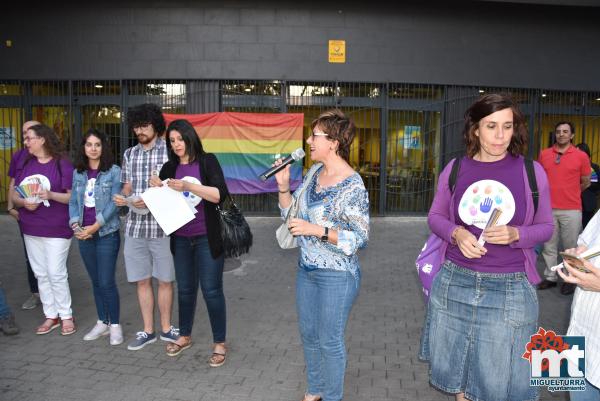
x,y
174,349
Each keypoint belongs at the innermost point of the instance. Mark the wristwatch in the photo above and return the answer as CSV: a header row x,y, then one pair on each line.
x,y
325,237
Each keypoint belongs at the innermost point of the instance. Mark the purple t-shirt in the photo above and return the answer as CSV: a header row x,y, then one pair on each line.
x,y
15,161
480,188
191,173
52,221
89,201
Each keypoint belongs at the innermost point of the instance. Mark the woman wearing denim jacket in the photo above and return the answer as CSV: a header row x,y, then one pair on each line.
x,y
331,226
95,223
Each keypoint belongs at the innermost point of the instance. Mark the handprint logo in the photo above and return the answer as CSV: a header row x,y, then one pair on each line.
x,y
473,210
486,205
498,199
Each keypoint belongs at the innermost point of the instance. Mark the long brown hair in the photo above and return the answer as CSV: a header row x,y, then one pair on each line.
x,y
485,106
52,145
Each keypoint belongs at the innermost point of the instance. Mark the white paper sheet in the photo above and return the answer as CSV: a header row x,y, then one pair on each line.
x,y
168,207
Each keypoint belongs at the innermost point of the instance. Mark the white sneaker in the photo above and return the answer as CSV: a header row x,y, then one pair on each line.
x,y
99,330
116,334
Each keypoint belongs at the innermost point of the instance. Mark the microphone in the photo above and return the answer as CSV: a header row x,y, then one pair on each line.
x,y
296,155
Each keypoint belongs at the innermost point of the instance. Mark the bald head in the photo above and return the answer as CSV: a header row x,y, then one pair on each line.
x,y
29,124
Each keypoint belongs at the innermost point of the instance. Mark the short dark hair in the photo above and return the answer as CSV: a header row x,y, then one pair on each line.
x,y
339,128
82,162
146,113
193,145
569,123
485,106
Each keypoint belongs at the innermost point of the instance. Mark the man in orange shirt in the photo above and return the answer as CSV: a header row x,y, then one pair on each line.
x,y
568,170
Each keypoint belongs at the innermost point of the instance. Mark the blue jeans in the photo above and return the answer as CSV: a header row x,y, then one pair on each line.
x,y
591,393
324,299
4,309
195,267
99,255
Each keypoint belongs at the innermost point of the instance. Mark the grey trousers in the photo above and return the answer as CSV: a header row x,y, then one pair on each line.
x,y
567,227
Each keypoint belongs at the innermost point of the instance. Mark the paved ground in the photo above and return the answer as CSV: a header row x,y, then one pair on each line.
x,y
265,360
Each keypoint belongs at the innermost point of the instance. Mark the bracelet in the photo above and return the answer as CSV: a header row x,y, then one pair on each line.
x,y
284,192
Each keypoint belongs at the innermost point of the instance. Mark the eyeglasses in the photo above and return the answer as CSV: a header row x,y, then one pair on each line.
x,y
142,126
558,156
314,134
30,138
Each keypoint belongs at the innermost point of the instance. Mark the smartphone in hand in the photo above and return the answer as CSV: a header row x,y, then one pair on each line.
x,y
574,261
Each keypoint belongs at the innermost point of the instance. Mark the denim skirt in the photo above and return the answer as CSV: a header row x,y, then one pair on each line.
x,y
475,331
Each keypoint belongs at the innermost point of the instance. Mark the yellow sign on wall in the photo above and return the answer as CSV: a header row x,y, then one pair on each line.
x,y
337,51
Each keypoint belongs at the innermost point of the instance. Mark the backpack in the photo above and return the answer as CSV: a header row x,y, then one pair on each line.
x,y
430,259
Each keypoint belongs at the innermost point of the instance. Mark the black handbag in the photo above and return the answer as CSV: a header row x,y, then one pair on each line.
x,y
235,231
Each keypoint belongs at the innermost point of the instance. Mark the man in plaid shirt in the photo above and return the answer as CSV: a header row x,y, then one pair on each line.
x,y
146,248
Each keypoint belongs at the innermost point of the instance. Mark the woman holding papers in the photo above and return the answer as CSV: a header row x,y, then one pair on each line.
x,y
585,310
197,246
95,222
483,306
43,181
332,224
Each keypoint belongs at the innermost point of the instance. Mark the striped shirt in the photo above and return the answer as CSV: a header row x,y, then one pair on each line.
x,y
138,166
585,309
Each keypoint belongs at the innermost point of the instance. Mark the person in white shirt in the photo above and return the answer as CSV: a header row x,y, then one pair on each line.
x,y
585,309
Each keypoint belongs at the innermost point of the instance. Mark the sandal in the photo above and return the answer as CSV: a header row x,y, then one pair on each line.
x,y
174,349
69,328
217,358
48,325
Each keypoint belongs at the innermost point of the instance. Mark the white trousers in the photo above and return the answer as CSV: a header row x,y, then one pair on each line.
x,y
48,258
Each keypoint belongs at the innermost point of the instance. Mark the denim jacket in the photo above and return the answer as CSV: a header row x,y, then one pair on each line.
x,y
108,183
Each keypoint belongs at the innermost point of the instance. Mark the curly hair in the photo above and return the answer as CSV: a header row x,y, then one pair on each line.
x,y
52,145
106,156
193,145
339,128
146,113
485,106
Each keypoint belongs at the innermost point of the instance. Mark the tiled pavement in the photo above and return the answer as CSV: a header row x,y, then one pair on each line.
x,y
265,360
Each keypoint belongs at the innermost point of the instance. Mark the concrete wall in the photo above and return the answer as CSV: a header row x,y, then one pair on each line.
x,y
483,43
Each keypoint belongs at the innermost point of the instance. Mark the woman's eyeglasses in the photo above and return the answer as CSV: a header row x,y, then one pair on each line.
x,y
314,134
558,156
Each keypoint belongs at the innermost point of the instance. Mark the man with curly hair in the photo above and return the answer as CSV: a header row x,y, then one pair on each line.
x,y
146,246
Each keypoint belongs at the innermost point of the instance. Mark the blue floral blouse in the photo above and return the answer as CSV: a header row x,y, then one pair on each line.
x,y
343,207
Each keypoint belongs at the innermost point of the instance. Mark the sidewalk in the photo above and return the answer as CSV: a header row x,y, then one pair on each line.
x,y
265,358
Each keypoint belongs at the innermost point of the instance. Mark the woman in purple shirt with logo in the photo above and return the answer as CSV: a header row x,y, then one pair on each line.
x,y
95,222
483,306
43,185
197,246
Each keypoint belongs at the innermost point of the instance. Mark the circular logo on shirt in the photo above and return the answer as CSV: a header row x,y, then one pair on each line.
x,y
33,184
481,199
192,199
88,197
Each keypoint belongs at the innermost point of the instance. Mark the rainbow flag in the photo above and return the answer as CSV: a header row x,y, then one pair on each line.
x,y
246,144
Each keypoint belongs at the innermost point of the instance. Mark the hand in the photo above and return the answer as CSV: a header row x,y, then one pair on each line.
x,y
14,213
501,235
155,181
468,245
177,185
577,251
139,203
44,195
31,206
303,227
587,281
282,176
119,200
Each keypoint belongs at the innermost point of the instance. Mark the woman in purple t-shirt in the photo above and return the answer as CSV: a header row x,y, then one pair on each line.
x,y
43,182
197,246
95,222
483,306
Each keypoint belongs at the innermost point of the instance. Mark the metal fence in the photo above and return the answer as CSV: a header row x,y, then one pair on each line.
x,y
405,132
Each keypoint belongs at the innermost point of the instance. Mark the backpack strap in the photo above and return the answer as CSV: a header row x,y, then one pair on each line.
x,y
454,174
532,183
